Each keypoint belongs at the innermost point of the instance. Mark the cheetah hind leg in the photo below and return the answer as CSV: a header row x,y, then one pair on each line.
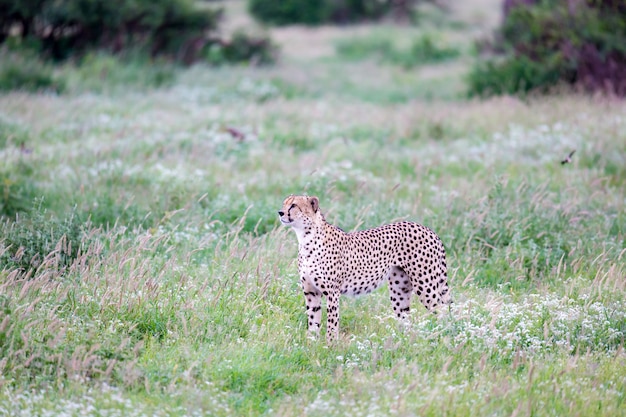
x,y
400,290
440,297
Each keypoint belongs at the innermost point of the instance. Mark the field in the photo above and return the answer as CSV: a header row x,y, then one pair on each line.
x,y
161,282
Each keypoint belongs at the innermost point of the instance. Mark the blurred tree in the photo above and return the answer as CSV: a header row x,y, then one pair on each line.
x,y
312,12
580,42
62,28
284,12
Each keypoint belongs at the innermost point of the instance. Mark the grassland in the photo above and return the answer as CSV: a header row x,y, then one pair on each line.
x,y
154,278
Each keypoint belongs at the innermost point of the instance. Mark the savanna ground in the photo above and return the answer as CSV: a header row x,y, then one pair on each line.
x,y
184,298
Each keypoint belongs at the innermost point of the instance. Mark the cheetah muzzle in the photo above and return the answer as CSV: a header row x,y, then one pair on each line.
x,y
331,262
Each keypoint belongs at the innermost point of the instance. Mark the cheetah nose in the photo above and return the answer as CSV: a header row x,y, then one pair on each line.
x,y
281,213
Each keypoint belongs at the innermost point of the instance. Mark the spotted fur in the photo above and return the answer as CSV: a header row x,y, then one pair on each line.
x,y
332,262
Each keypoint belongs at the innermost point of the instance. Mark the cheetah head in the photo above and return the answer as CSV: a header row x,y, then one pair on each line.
x,y
300,211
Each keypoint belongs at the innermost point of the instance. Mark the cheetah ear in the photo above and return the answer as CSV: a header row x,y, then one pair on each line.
x,y
315,203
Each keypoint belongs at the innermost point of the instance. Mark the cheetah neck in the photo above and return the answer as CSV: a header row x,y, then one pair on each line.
x,y
308,233
315,232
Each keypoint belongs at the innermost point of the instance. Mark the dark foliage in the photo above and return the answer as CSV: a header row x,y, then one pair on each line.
x,y
547,42
357,10
63,28
242,47
314,12
514,76
286,12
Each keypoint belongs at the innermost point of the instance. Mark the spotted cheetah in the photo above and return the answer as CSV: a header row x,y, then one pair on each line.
x,y
332,262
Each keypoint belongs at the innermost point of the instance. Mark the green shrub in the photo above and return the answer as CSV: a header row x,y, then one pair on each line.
x,y
175,28
285,12
135,31
513,76
553,41
242,47
424,51
276,12
356,10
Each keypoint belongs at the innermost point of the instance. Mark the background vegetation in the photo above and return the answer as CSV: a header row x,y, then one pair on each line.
x,y
143,270
317,12
122,43
547,42
60,29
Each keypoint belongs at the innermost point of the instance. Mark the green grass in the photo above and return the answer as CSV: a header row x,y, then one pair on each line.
x,y
164,284
26,73
422,51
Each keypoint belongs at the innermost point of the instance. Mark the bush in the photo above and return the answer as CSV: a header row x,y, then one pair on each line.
x,y
424,51
356,10
277,12
285,12
243,47
518,75
553,41
175,28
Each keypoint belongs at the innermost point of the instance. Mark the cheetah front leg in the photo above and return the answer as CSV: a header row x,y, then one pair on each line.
x,y
313,300
332,315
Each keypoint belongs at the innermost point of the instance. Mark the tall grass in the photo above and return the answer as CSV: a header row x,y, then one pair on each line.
x,y
164,284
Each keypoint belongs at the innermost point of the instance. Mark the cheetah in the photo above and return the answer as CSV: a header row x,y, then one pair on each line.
x,y
331,262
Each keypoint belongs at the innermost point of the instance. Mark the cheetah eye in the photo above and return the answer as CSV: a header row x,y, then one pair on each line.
x,y
292,206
